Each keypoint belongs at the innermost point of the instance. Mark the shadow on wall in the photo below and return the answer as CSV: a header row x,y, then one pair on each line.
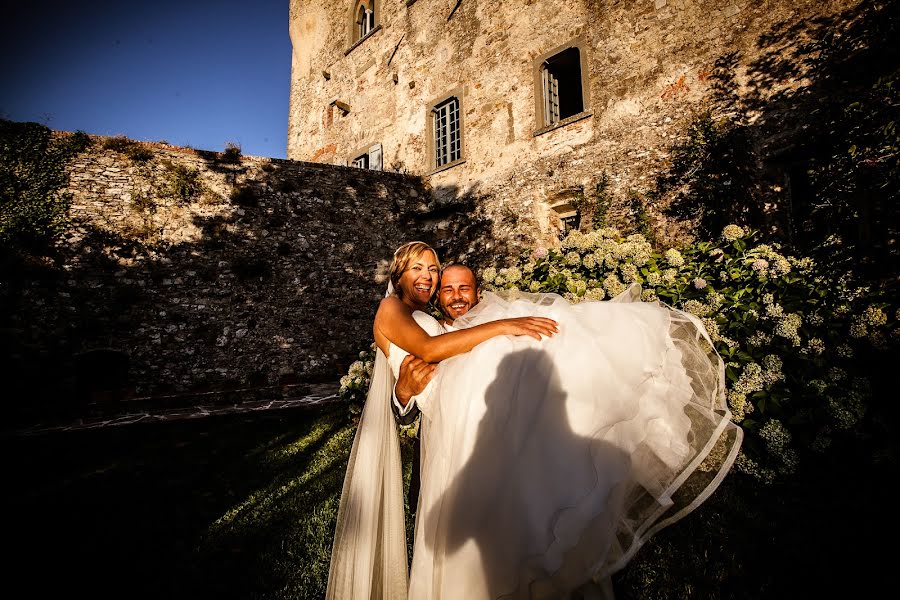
x,y
276,286
473,228
836,83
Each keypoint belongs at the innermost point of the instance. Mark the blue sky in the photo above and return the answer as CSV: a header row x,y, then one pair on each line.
x,y
194,73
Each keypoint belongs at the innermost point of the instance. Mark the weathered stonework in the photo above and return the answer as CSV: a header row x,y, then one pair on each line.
x,y
649,65
221,291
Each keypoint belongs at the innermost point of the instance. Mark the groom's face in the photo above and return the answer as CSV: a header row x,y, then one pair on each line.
x,y
458,291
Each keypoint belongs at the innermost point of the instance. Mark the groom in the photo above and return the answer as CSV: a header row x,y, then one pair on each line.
x,y
457,293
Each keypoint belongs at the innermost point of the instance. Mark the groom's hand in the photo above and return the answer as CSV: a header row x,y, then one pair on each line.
x,y
414,375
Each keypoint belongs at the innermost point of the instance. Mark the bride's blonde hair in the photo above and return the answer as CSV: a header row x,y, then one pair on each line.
x,y
406,254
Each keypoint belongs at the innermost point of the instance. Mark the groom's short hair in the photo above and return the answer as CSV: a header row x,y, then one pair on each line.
x,y
461,266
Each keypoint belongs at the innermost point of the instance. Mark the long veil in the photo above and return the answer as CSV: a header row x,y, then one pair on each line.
x,y
368,559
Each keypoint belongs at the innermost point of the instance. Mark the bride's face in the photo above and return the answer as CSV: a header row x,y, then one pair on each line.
x,y
420,280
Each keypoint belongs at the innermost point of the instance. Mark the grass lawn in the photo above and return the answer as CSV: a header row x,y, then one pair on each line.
x,y
243,506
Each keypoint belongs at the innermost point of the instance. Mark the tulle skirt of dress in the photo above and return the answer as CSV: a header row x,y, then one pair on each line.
x,y
547,464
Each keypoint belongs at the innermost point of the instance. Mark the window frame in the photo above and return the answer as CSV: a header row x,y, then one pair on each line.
x,y
431,139
367,152
540,100
355,38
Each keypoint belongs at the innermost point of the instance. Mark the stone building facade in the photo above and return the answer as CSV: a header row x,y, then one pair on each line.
x,y
546,98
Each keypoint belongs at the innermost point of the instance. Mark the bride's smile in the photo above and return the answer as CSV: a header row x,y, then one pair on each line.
x,y
420,281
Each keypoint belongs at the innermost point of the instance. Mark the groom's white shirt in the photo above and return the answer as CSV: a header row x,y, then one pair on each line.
x,y
424,394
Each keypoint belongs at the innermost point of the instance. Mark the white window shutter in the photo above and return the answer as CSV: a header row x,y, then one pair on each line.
x,y
375,157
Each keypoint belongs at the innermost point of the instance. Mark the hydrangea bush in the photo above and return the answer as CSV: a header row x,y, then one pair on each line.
x,y
355,386
794,338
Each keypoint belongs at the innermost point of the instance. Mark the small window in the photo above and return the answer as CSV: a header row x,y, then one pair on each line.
x,y
568,224
447,132
561,90
561,78
369,158
566,217
364,19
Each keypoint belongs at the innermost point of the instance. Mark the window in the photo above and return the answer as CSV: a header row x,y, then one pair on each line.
x,y
363,20
560,86
444,131
561,77
565,216
368,158
568,224
447,138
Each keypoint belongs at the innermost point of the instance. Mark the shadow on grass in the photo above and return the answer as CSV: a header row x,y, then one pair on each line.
x,y
243,506
237,506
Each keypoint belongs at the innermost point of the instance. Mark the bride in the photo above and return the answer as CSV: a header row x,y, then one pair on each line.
x,y
558,438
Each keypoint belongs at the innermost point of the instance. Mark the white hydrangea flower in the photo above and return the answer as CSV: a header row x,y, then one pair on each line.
x,y
750,380
858,329
759,339
573,240
654,278
759,265
612,285
573,258
534,286
629,273
697,308
814,346
874,316
747,465
488,275
673,257
699,283
513,275
610,233
732,232
589,262
775,435
738,404
773,369
787,327
595,294
774,310
669,275
712,328
648,296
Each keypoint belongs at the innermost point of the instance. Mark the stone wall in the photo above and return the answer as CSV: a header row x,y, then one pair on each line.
x,y
184,272
650,64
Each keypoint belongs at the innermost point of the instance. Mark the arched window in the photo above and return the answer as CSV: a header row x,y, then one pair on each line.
x,y
364,19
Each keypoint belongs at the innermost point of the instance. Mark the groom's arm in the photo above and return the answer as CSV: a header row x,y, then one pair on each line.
x,y
412,380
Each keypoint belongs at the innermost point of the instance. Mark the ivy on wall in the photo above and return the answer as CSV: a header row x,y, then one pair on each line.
x,y
33,207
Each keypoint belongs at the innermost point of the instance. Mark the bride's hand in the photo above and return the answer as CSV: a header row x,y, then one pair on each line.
x,y
531,326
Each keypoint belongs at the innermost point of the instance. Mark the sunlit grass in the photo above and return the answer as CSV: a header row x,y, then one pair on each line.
x,y
244,507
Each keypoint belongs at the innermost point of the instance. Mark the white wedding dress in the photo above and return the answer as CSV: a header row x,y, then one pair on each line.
x,y
545,465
